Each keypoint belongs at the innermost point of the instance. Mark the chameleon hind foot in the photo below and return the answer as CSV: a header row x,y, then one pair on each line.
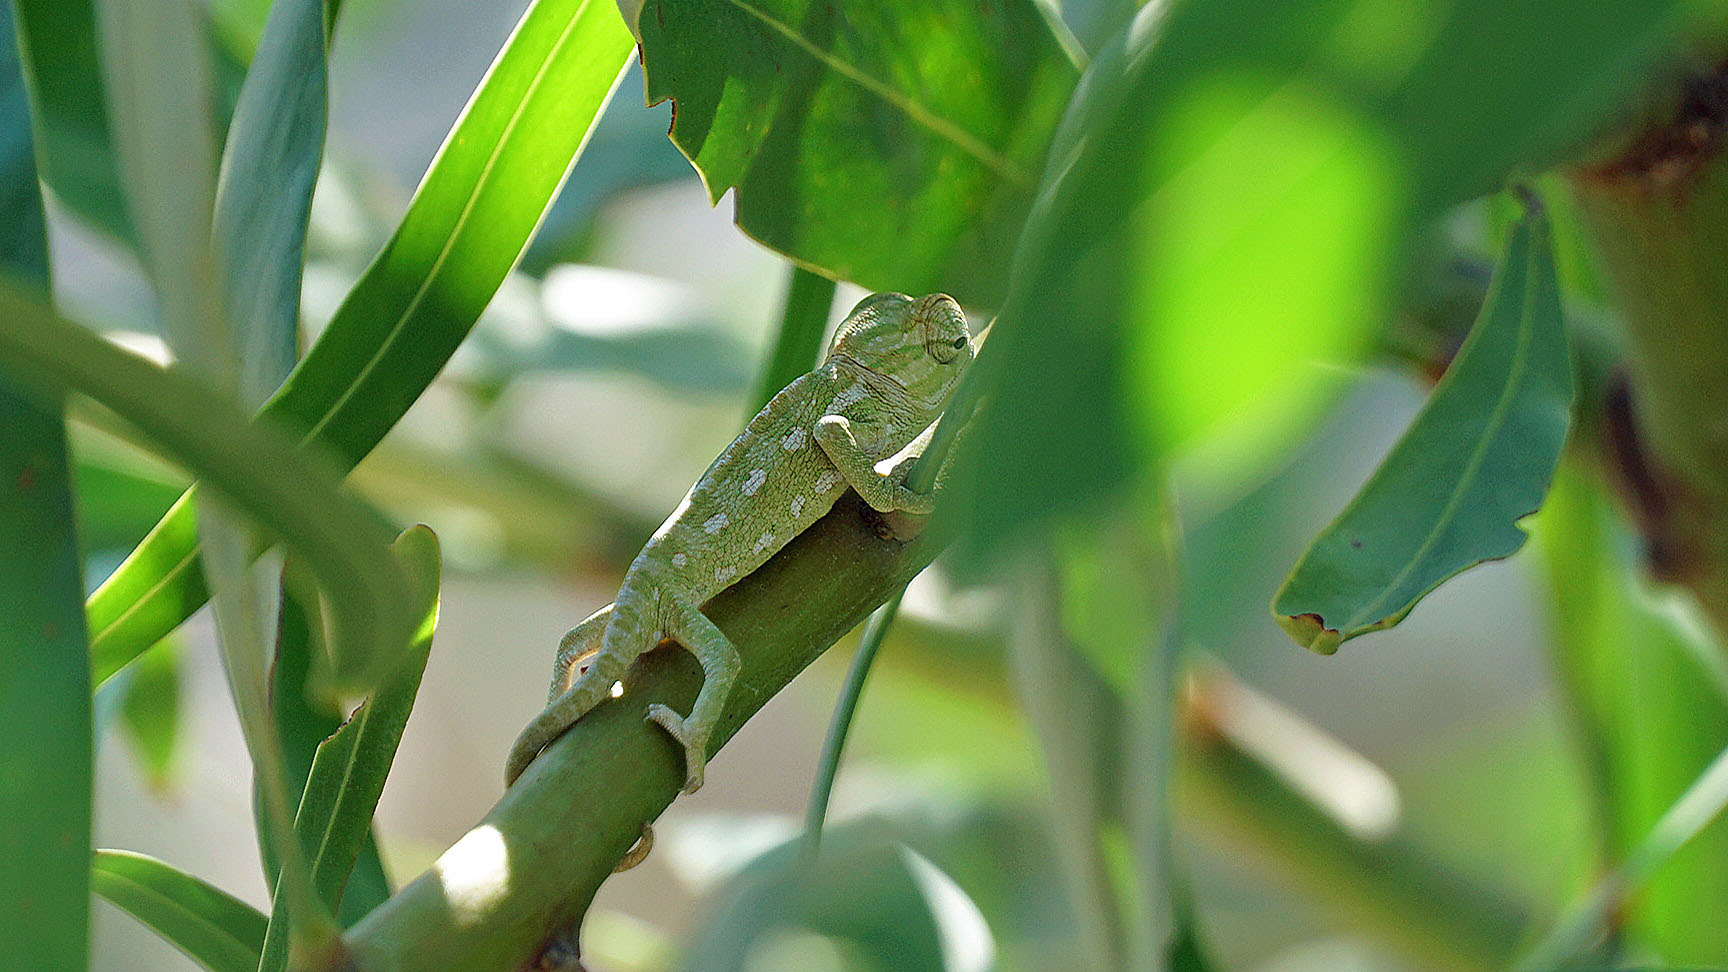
x,y
695,744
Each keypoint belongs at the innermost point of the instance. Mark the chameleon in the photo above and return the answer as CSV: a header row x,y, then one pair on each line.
x,y
892,366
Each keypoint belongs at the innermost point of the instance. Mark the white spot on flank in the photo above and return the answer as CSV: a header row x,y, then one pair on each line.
x,y
763,542
827,480
724,574
679,560
754,483
715,523
797,505
795,439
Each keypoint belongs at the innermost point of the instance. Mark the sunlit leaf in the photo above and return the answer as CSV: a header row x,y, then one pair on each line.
x,y
45,710
1475,461
897,145
335,817
464,229
215,929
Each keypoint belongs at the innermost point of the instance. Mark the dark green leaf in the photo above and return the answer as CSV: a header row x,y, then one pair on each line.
x,y
45,711
250,466
897,145
150,712
1474,462
213,928
58,41
303,723
464,229
264,192
335,817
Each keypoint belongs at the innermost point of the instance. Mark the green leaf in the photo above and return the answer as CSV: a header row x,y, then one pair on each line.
x,y
335,817
897,145
250,467
1233,189
214,929
264,192
158,73
150,712
890,906
303,723
45,708
1476,460
58,42
465,228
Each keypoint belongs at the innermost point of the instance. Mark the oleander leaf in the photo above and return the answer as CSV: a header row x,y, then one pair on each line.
x,y
895,144
214,928
1476,460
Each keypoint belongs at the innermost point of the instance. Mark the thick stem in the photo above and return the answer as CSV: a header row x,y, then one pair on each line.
x,y
1658,216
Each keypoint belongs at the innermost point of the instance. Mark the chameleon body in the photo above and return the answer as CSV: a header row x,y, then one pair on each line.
x,y
890,370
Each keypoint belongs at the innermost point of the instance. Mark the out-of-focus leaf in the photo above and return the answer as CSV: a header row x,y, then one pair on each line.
x,y
251,467
890,906
334,822
214,929
264,192
1649,701
150,712
1227,201
45,709
58,42
894,144
465,228
157,70
1476,460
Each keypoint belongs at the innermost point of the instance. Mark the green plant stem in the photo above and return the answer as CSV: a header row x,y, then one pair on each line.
x,y
798,342
875,630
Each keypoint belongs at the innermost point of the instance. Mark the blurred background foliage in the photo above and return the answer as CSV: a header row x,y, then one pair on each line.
x,y
1226,269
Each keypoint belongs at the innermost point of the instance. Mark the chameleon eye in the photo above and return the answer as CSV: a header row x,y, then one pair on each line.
x,y
959,343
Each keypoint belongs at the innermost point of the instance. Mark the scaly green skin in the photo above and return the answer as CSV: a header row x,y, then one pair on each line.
x,y
892,367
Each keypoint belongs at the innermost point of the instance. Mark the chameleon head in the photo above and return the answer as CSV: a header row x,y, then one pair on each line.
x,y
921,343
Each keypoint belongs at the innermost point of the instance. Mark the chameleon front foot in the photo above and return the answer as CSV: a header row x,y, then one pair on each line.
x,y
694,741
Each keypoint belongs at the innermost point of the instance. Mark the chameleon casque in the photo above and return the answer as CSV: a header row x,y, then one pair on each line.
x,y
891,368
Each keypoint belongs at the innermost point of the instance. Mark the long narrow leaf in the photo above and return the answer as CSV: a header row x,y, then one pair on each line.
x,y
264,192
347,777
253,468
57,39
1476,460
215,929
45,710
466,226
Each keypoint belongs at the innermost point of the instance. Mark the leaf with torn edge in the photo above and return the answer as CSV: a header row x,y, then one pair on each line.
x,y
1477,459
